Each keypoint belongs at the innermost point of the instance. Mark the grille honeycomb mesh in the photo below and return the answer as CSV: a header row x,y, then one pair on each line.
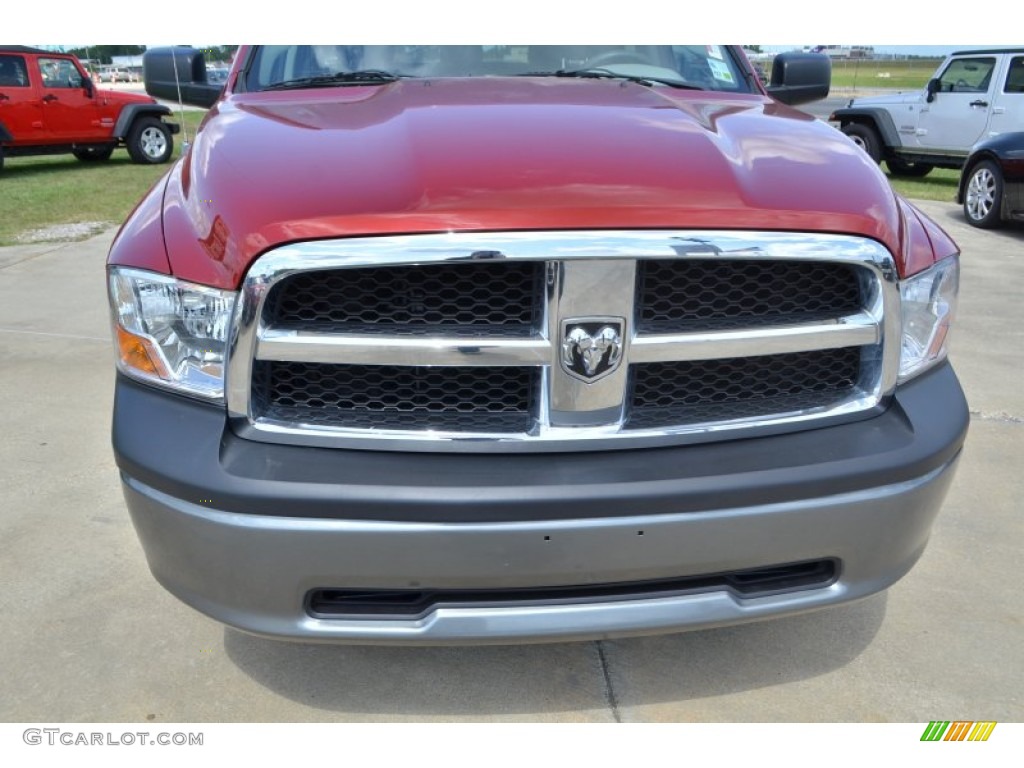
x,y
681,295
692,392
495,299
396,397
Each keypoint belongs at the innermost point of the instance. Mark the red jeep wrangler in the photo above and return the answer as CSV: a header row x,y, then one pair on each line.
x,y
48,105
491,343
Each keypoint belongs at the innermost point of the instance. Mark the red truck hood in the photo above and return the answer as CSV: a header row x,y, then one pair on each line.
x,y
507,153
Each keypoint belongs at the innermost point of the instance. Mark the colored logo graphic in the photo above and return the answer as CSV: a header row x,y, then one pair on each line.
x,y
939,730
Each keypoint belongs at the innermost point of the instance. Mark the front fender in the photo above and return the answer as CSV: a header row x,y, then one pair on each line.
x,y
132,111
881,119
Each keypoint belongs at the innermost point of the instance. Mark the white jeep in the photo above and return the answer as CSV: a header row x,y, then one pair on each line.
x,y
974,95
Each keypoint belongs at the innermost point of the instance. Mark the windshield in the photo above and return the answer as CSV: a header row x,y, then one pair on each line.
x,y
706,67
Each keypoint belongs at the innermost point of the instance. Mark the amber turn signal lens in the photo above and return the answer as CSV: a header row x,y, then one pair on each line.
x,y
135,353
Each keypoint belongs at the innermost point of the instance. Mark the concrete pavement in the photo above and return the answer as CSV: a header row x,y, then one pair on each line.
x,y
90,636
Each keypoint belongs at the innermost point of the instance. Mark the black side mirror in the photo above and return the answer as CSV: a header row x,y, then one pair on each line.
x,y
933,87
800,77
87,85
170,71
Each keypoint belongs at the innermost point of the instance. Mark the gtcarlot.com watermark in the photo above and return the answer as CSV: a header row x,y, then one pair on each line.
x,y
56,736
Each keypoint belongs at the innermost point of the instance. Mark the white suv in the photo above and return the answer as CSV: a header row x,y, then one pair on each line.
x,y
973,96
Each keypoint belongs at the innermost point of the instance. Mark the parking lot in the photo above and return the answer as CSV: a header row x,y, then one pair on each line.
x,y
90,636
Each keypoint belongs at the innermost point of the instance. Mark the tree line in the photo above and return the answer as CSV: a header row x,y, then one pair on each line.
x,y
103,54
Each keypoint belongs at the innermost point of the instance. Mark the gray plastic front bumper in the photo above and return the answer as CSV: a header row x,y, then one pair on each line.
x,y
243,532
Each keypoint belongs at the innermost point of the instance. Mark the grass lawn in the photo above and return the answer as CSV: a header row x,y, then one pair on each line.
x,y
907,75
940,184
49,190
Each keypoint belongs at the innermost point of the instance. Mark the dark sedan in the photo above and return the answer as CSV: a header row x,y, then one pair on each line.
x,y
992,183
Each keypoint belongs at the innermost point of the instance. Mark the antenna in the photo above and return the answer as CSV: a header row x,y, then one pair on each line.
x,y
181,104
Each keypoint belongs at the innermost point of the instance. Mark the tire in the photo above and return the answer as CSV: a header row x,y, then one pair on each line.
x,y
865,137
93,154
900,167
1,158
149,141
983,195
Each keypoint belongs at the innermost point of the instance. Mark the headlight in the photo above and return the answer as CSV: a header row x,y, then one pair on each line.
x,y
928,308
169,332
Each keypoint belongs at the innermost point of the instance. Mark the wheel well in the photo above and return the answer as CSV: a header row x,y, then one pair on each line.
x,y
133,112
869,122
879,121
968,168
860,120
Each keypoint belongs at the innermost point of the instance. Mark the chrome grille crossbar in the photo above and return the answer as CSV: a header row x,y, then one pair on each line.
x,y
344,349
350,349
851,331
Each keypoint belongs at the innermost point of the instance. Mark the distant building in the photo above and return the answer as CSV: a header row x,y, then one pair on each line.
x,y
846,51
127,62
758,55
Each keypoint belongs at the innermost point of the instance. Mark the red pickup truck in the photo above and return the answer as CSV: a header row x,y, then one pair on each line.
x,y
435,344
49,105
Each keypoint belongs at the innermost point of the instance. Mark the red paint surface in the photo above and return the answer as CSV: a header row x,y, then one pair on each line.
x,y
140,241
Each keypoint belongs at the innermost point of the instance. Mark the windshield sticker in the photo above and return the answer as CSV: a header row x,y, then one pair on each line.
x,y
715,51
720,71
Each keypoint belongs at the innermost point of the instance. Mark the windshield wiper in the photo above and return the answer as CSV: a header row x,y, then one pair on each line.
x,y
599,73
357,77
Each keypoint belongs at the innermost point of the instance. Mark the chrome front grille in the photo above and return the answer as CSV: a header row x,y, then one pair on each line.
x,y
477,341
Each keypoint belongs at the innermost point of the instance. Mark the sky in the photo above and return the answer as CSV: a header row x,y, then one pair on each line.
x,y
884,24
931,51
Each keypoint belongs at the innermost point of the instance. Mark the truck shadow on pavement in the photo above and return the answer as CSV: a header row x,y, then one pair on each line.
x,y
951,218
575,681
